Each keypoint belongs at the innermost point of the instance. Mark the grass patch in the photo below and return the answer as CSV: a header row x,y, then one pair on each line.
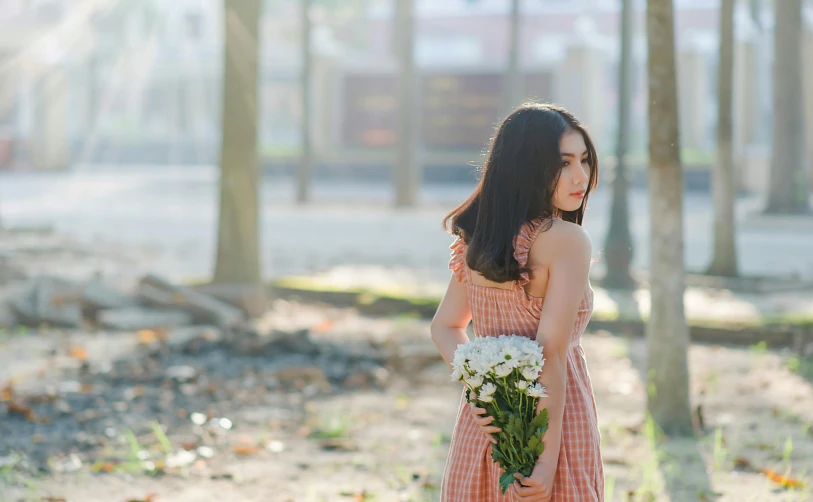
x,y
161,437
395,301
331,426
802,366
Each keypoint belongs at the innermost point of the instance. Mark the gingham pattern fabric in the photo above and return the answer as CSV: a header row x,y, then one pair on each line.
x,y
471,475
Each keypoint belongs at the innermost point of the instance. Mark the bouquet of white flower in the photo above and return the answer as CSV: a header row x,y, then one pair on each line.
x,y
502,372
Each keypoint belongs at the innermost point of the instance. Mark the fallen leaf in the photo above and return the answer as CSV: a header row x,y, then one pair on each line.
x,y
78,353
743,464
323,326
53,499
21,410
363,496
245,449
7,394
148,336
784,481
337,444
86,388
178,298
149,498
103,467
189,446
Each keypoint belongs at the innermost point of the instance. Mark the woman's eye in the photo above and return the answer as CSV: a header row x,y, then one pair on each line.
x,y
565,163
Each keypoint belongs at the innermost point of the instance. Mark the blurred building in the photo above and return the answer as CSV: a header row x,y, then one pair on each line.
x,y
138,81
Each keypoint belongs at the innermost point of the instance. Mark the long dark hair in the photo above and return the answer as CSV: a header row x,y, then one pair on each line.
x,y
518,180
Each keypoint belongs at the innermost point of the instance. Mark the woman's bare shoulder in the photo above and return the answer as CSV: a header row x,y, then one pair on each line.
x,y
563,238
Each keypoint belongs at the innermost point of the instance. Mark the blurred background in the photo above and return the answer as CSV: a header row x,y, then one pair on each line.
x,y
230,210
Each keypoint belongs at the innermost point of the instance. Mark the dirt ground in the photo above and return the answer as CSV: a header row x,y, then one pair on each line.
x,y
387,440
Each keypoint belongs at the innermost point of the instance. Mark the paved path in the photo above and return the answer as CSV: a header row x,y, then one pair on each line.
x,y
171,213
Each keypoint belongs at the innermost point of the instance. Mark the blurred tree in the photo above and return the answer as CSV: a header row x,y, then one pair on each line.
x,y
789,189
618,244
724,261
513,91
667,333
238,240
755,9
303,178
406,172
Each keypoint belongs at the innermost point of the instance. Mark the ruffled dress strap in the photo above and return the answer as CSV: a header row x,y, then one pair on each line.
x,y
457,262
522,247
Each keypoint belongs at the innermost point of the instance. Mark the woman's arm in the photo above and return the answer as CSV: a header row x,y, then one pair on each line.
x,y
450,321
568,254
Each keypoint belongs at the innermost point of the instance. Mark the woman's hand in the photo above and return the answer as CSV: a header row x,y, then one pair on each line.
x,y
537,487
482,419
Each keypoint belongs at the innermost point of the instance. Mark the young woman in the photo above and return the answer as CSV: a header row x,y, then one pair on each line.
x,y
520,266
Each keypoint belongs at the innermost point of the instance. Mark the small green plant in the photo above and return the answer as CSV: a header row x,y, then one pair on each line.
x,y
441,439
759,348
332,427
720,451
713,382
800,366
619,350
609,488
161,437
788,450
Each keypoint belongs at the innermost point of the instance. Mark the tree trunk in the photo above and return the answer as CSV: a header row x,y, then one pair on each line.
x,y
513,84
724,261
618,245
789,187
667,333
238,230
406,173
755,9
303,178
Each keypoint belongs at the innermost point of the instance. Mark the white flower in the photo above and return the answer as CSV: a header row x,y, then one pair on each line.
x,y
537,390
510,353
480,367
487,389
503,370
475,381
530,373
485,399
481,361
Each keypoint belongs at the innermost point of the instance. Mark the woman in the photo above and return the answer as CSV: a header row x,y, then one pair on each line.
x,y
520,266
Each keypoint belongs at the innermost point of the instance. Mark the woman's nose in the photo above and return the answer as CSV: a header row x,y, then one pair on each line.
x,y
582,176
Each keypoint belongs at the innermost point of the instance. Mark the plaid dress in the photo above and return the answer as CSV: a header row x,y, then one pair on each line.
x,y
471,475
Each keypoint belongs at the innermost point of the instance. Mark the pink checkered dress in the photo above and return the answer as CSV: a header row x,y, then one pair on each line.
x,y
471,475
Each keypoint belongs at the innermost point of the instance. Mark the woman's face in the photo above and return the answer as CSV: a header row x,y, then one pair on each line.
x,y
575,175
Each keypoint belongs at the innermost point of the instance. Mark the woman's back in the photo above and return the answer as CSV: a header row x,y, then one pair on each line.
x,y
514,307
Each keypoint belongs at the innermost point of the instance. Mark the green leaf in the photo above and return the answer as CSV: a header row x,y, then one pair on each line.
x,y
540,419
507,479
540,447
501,417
